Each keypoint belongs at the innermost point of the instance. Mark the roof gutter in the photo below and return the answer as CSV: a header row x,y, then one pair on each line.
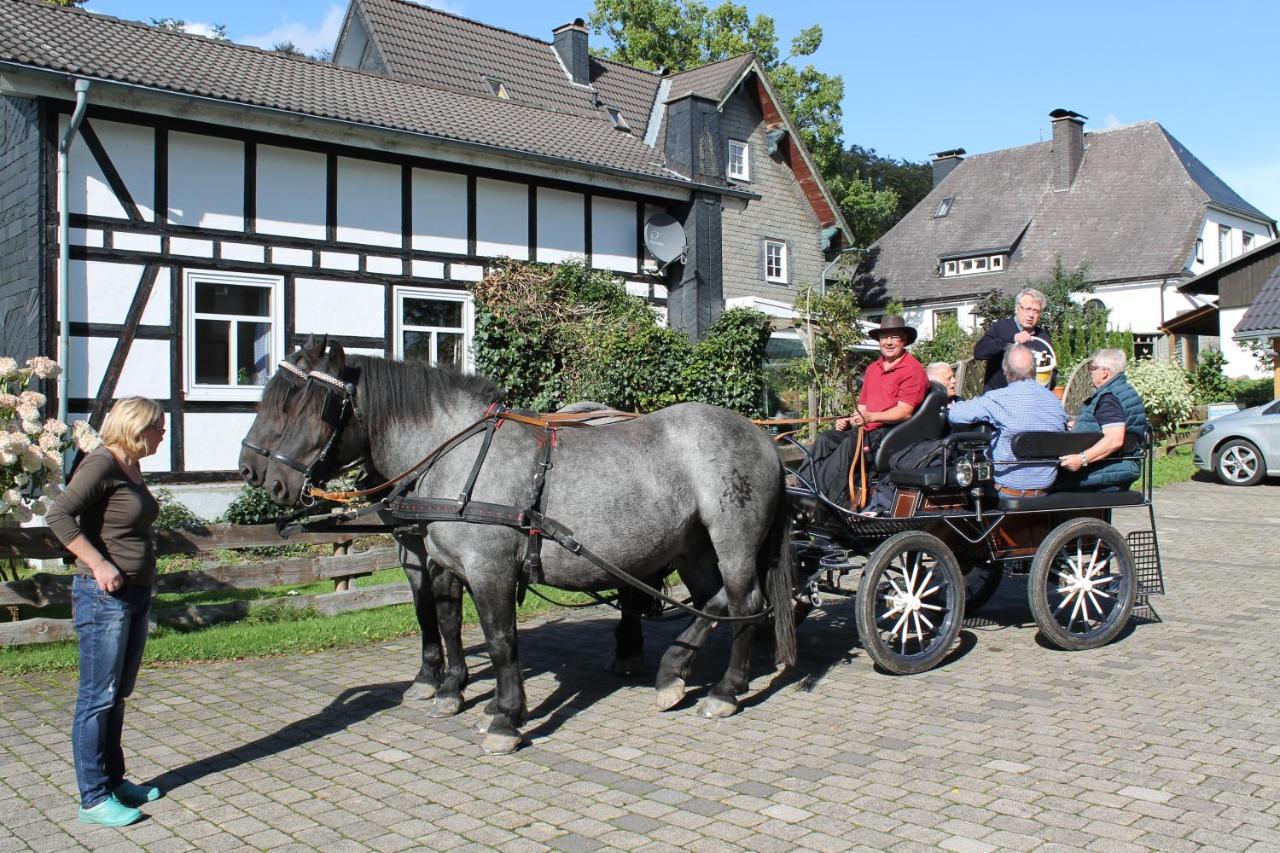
x,y
478,147
64,243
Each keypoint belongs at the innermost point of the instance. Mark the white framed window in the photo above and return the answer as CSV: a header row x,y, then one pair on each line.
x,y
973,266
997,262
775,261
943,208
434,326
949,268
940,316
739,160
1199,253
234,333
1246,240
1224,243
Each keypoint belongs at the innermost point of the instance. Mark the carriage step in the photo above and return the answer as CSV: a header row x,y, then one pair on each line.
x,y
837,561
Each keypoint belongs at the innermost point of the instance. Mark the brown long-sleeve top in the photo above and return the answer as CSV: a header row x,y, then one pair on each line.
x,y
114,513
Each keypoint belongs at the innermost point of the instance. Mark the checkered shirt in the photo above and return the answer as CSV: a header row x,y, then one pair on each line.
x,y
1023,406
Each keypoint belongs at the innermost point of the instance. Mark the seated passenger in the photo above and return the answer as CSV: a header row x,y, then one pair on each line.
x,y
1112,409
944,375
893,386
1022,405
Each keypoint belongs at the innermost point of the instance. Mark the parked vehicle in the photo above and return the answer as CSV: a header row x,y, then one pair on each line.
x,y
1243,447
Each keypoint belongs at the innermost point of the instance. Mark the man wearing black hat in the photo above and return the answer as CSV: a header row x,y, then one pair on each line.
x,y
893,387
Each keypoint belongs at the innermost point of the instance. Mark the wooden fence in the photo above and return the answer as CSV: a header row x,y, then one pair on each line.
x,y
47,589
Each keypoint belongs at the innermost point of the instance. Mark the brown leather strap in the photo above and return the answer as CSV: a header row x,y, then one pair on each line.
x,y
858,495
1021,493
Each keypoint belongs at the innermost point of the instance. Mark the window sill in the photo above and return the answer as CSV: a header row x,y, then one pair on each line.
x,y
228,393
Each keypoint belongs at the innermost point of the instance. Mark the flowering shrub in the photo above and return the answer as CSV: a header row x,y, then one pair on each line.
x,y
1166,393
31,447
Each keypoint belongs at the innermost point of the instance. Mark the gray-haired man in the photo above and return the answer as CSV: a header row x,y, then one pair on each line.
x,y
1022,328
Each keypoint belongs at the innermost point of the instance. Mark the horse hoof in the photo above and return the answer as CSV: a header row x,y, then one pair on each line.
x,y
445,706
500,744
715,708
628,666
420,691
670,695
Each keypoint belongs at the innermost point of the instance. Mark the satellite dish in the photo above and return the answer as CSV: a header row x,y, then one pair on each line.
x,y
664,238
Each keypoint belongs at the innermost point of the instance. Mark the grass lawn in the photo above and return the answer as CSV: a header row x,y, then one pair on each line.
x,y
1177,467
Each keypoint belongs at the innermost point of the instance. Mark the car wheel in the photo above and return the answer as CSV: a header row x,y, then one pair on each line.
x,y
1239,463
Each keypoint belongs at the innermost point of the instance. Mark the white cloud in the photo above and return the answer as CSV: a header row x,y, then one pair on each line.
x,y
307,38
1109,121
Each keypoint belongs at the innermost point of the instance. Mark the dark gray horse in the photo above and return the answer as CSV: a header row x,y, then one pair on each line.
x,y
693,486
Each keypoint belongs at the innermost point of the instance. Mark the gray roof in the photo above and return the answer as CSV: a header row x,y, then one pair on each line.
x,y
446,51
1263,316
713,81
1133,212
36,34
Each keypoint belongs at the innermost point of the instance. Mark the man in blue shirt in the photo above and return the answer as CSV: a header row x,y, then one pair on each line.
x,y
1023,405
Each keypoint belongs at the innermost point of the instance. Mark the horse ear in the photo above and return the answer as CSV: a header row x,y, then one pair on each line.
x,y
337,358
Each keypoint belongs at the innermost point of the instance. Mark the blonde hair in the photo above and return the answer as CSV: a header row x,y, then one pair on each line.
x,y
126,421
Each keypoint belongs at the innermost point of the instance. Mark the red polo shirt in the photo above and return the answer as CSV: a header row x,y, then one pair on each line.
x,y
882,389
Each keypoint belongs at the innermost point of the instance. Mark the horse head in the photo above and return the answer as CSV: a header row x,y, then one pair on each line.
x,y
308,426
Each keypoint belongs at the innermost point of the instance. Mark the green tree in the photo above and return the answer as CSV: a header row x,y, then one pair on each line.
x,y
950,343
178,25
909,181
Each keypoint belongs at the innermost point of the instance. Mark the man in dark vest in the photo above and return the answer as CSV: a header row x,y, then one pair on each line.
x,y
1114,409
1022,328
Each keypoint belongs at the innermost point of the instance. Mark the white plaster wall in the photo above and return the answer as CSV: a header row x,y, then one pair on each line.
x,y
145,373
338,308
211,442
561,228
206,181
291,192
613,234
1238,225
368,202
1240,360
439,212
921,317
132,151
1137,307
109,289
502,219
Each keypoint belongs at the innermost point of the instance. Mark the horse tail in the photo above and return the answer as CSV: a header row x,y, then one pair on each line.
x,y
780,582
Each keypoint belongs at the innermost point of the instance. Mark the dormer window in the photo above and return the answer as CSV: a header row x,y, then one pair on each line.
x,y
619,122
972,266
738,161
497,89
943,208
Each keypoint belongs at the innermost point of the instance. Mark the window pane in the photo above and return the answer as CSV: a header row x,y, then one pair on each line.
x,y
233,299
433,312
211,351
417,347
449,350
253,345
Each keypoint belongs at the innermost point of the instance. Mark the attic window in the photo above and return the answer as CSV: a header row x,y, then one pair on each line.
x,y
972,266
943,208
497,89
619,122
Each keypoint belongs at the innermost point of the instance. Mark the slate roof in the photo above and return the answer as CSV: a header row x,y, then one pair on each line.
x,y
447,51
1263,316
1133,212
710,81
36,34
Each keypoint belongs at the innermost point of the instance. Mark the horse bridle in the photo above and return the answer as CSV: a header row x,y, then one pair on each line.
x,y
339,394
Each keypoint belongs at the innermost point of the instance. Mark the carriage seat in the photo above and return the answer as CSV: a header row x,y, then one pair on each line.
x,y
927,422
939,477
1052,445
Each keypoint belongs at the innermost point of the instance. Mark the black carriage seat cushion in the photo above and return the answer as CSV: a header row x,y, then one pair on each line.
x,y
924,478
1072,500
926,422
1052,445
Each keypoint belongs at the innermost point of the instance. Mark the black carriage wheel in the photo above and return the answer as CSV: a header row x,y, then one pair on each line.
x,y
1239,463
910,602
980,584
1082,585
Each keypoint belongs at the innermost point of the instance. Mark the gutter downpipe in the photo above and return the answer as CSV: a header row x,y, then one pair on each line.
x,y
64,234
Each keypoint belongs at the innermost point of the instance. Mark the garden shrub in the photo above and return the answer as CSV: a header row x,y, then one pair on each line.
x,y
1166,393
950,343
1211,384
252,506
174,513
1250,392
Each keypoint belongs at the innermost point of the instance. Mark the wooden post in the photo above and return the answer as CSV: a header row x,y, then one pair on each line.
x,y
341,549
813,412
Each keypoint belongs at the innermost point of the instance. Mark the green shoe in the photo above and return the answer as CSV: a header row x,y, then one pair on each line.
x,y
136,795
110,812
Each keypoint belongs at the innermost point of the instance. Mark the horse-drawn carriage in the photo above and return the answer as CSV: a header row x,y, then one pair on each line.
x,y
692,487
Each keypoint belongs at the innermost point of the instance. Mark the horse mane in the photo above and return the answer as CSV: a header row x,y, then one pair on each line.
x,y
396,391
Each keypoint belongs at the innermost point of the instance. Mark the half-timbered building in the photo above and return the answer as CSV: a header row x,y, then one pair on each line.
x,y
224,202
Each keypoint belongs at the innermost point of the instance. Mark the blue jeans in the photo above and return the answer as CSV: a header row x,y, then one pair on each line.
x,y
113,633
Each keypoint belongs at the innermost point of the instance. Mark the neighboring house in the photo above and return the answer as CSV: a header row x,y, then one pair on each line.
x,y
1245,308
225,202
1131,202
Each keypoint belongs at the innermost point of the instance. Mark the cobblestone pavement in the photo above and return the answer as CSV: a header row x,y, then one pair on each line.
x,y
1168,739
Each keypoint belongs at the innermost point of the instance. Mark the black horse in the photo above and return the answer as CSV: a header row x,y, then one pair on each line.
x,y
692,486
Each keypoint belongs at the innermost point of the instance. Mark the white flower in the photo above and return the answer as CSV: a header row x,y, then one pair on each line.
x,y
21,479
27,411
8,402
49,441
32,459
32,427
39,507
79,428
52,461
10,497
44,367
8,368
87,441
53,426
32,398
4,509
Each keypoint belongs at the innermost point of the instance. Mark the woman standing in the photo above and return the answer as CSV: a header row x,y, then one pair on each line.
x,y
104,518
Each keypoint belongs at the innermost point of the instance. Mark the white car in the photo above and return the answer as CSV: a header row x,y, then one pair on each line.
x,y
1243,447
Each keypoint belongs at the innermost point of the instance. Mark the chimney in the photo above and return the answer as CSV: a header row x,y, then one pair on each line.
x,y
944,162
695,144
570,41
1068,147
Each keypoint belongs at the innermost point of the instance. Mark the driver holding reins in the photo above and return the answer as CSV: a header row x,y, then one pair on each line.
x,y
1022,328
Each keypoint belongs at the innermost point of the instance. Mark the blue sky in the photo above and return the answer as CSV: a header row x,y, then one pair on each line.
x,y
924,75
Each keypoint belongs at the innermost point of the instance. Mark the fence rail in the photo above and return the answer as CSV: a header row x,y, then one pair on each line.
x,y
48,589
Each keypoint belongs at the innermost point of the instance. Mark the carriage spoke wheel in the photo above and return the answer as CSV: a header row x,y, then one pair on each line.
x,y
1082,585
910,603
